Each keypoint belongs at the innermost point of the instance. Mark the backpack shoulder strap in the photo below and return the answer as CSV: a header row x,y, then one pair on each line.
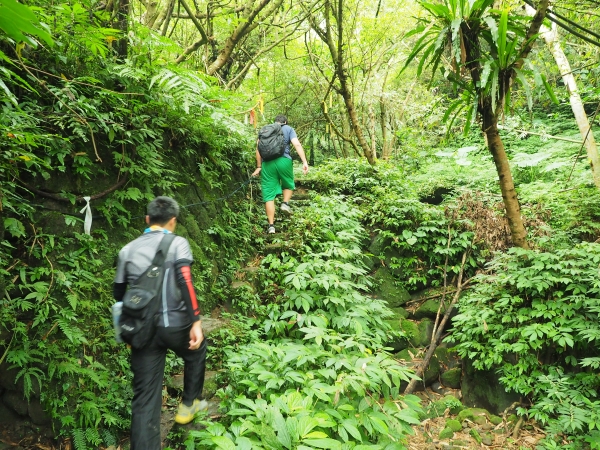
x,y
163,249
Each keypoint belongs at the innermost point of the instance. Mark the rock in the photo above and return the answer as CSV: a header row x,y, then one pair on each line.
x,y
37,413
487,439
436,409
433,371
423,336
210,325
400,313
242,285
7,415
475,415
398,342
495,420
429,309
454,425
16,402
482,388
387,289
446,433
210,385
451,378
8,376
408,330
447,357
437,388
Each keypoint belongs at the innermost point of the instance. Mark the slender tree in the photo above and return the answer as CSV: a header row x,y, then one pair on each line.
x,y
488,50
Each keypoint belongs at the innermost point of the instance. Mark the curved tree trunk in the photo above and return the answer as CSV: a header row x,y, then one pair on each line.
x,y
507,185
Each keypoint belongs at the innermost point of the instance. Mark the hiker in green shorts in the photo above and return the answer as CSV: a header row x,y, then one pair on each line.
x,y
277,175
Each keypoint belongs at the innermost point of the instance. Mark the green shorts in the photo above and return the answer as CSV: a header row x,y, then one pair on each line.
x,y
276,175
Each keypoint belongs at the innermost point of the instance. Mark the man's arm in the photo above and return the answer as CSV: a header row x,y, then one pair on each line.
x,y
258,162
188,293
298,146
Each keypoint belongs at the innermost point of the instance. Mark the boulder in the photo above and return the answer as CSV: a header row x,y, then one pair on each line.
x,y
482,388
451,378
37,413
422,338
399,342
16,402
447,357
7,415
429,309
387,289
400,313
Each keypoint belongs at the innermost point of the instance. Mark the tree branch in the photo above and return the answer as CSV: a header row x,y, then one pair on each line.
x,y
195,21
59,198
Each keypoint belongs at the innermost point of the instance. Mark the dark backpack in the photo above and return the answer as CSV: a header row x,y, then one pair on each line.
x,y
142,300
271,142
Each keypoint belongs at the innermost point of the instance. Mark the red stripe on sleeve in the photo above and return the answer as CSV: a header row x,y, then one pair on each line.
x,y
187,275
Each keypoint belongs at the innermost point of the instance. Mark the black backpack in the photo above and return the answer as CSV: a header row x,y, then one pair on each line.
x,y
142,300
271,142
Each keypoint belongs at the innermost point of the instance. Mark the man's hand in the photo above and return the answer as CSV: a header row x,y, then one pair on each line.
x,y
305,168
196,336
256,172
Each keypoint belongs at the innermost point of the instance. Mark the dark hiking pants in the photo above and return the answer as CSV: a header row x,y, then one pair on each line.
x,y
148,366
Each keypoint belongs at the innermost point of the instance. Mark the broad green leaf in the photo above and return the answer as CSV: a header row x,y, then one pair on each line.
x,y
223,442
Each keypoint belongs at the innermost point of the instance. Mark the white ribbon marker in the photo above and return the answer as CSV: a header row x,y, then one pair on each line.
x,y
87,223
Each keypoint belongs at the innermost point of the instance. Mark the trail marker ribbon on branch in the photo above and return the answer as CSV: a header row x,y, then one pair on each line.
x,y
87,223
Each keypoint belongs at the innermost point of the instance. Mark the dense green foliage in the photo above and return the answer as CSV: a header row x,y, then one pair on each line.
x,y
316,374
536,320
307,368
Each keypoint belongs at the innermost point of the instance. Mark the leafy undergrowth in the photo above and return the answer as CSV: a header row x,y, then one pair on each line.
x,y
318,375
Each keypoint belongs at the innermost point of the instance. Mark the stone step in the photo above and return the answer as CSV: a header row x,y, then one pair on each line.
x,y
211,325
167,421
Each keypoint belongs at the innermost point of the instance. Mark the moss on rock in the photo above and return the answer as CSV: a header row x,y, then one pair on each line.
x,y
454,425
429,309
451,378
422,337
387,289
446,433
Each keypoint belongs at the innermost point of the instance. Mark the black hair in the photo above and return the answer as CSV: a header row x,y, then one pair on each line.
x,y
281,119
161,210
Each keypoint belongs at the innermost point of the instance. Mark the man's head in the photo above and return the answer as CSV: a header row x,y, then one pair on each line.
x,y
281,119
163,211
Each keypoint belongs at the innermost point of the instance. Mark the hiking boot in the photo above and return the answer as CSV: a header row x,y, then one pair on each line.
x,y
185,414
286,208
271,229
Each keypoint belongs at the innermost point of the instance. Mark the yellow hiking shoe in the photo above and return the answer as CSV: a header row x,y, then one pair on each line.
x,y
185,414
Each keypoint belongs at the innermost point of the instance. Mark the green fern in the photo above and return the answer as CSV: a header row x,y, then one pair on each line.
x,y
79,440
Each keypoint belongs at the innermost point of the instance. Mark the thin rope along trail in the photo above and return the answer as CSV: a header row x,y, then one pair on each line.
x,y
225,197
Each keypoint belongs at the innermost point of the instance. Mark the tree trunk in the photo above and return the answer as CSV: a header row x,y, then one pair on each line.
x,y
553,43
386,149
346,130
507,186
373,131
123,25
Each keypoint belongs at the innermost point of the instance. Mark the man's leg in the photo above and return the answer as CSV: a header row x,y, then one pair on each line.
x,y
148,366
270,209
271,187
177,339
287,196
193,373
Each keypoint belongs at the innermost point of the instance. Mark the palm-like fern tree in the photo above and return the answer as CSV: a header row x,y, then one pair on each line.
x,y
488,49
